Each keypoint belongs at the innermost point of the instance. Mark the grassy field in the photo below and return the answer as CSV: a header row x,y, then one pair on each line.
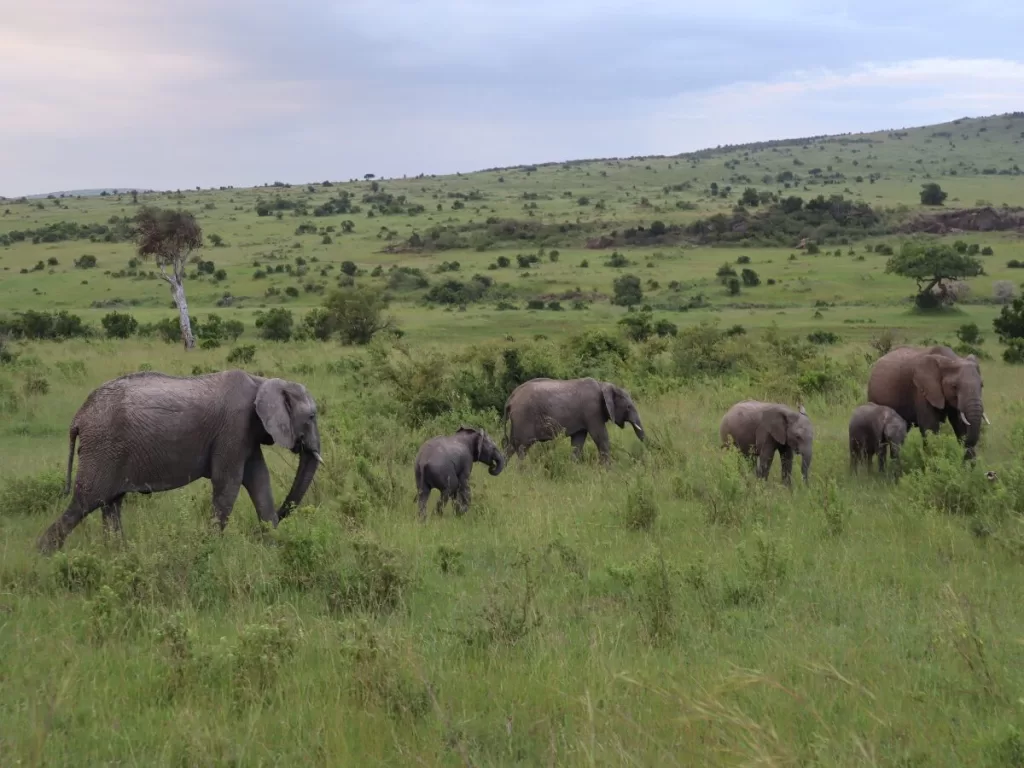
x,y
666,610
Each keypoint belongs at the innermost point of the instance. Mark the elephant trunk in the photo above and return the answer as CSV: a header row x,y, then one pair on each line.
x,y
308,463
638,430
497,464
805,464
972,412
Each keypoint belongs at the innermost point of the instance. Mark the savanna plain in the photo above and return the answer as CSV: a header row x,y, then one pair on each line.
x,y
668,609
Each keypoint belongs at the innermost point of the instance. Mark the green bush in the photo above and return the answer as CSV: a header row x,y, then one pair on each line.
x,y
119,325
275,324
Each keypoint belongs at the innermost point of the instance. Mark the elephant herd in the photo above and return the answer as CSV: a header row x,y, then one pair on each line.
x,y
149,431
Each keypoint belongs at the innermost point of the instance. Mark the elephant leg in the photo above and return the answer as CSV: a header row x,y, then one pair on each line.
x,y
578,439
256,479
766,455
226,485
54,536
599,434
462,498
854,458
445,496
881,458
112,516
787,464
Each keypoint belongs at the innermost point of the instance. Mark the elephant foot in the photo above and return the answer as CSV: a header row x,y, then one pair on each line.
x,y
50,542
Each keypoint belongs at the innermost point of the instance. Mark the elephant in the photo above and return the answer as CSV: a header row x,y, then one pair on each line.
x,y
929,385
875,429
760,429
444,463
147,432
540,409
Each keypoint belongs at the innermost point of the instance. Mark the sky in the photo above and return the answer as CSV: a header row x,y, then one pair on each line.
x,y
169,94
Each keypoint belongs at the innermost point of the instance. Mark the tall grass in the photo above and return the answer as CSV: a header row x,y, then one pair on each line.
x,y
669,609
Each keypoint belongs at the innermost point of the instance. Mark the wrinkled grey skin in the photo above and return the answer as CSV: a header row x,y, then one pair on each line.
x,y
148,432
445,462
760,429
876,430
541,409
929,385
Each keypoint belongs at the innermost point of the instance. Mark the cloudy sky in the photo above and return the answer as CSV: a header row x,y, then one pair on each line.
x,y
179,93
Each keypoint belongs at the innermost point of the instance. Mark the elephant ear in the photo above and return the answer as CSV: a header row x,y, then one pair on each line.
x,y
928,379
478,439
608,393
274,408
774,422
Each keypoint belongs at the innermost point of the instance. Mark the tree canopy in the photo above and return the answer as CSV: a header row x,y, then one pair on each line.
x,y
932,265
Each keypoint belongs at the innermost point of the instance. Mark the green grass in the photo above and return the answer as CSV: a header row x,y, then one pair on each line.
x,y
667,610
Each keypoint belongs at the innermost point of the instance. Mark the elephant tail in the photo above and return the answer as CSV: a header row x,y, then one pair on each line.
x,y
72,437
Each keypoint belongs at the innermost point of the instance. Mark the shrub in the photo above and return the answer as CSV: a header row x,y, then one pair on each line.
x,y
932,194
743,260
750,278
724,273
733,286
86,261
503,261
32,494
242,355
356,314
1015,264
275,324
641,507
813,249
349,268
987,251
823,337
665,328
118,325
637,326
617,260
627,291
969,333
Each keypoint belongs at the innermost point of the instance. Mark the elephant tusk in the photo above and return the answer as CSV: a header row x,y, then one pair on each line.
x,y
316,455
985,417
964,419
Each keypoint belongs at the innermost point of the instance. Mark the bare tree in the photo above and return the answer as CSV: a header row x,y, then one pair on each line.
x,y
170,236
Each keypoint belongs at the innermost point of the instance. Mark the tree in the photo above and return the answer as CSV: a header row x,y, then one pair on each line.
x,y
170,236
933,267
627,291
349,268
932,194
750,198
357,313
1009,326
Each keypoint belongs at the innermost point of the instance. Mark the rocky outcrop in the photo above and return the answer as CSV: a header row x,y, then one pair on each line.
x,y
984,219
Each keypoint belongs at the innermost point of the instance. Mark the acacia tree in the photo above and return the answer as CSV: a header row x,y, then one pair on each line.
x,y
934,267
170,236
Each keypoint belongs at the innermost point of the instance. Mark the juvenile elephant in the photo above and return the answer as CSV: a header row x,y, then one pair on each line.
x,y
541,409
929,385
148,432
875,429
445,462
760,429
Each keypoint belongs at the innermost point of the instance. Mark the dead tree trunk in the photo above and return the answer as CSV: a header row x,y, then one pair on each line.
x,y
176,281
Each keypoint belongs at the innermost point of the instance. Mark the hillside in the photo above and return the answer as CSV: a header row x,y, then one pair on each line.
x,y
666,609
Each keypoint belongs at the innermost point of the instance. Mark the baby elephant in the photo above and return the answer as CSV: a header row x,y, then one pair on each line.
x,y
445,462
872,429
760,429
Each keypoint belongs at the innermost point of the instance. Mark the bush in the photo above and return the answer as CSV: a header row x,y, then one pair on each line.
x,y
86,261
242,355
275,324
823,337
1015,264
987,251
743,260
733,286
932,194
750,278
349,268
617,260
628,291
637,326
503,261
119,325
356,314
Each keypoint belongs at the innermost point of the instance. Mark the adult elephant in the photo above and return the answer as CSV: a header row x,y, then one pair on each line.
x,y
541,409
759,430
929,385
148,432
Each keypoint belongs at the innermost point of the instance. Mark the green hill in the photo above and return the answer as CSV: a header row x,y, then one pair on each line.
x,y
666,609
